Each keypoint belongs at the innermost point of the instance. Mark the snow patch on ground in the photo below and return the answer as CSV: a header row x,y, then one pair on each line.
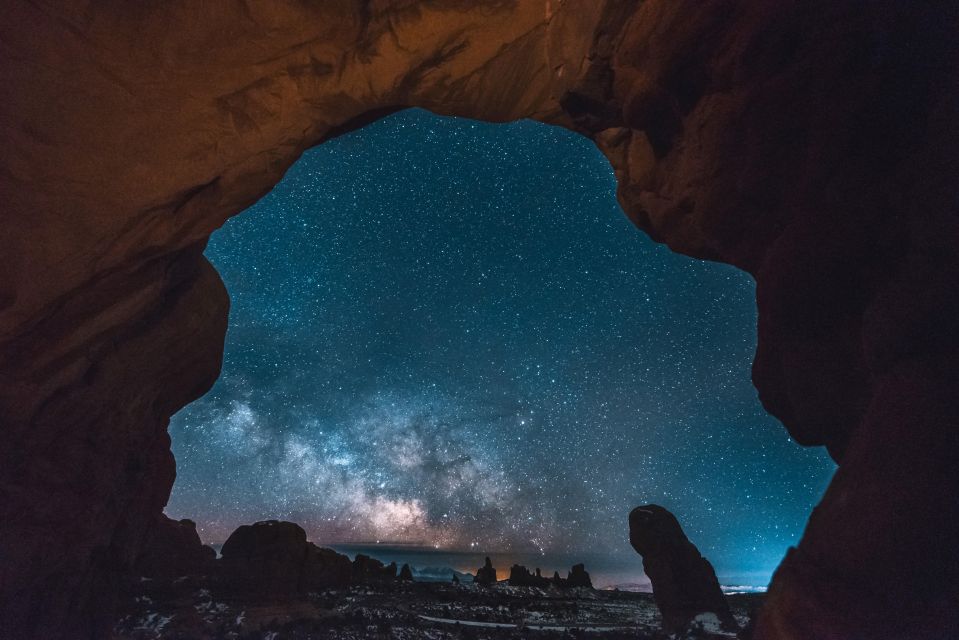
x,y
709,622
153,622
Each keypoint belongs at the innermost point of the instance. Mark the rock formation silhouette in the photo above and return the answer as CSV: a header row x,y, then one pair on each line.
x,y
173,549
486,575
520,576
272,559
367,569
578,577
266,560
684,583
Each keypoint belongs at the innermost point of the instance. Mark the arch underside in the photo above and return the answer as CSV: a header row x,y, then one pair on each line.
x,y
813,145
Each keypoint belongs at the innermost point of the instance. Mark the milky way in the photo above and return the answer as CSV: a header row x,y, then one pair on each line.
x,y
447,332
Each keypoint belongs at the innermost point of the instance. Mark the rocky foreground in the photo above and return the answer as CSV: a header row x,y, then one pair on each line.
x,y
270,583
186,608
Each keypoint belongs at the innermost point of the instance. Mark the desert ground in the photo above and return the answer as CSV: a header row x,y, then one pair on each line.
x,y
184,609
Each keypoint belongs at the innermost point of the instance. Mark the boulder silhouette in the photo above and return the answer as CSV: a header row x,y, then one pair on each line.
x,y
684,582
272,559
264,559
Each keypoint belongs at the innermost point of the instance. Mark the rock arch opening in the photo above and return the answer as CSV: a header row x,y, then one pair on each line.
x,y
446,332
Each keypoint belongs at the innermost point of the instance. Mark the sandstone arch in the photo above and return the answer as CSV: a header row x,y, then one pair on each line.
x,y
812,144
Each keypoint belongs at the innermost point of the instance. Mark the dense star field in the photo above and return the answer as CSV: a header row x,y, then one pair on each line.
x,y
446,332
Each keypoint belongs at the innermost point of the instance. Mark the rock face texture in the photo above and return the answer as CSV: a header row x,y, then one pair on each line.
x,y
272,559
173,549
813,144
684,583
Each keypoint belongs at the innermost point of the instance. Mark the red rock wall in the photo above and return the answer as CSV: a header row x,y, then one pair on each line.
x,y
815,145
812,144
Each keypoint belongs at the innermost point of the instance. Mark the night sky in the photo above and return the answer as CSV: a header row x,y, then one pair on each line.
x,y
447,332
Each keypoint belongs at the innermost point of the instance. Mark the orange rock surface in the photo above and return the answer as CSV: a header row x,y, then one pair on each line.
x,y
813,144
